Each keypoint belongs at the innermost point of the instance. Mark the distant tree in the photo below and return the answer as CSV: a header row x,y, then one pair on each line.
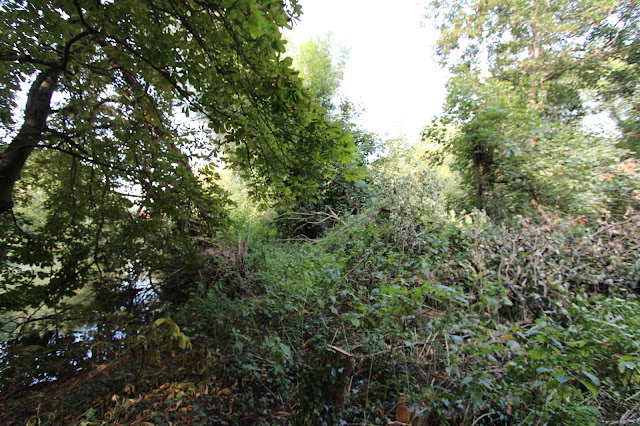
x,y
321,64
619,85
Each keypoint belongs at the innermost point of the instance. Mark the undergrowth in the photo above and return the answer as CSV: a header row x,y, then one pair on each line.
x,y
463,321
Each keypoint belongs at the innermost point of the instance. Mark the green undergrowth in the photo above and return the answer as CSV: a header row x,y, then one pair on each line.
x,y
471,323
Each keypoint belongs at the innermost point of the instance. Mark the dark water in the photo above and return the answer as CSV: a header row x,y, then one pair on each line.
x,y
41,356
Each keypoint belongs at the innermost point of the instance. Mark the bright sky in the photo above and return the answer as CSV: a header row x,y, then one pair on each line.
x,y
391,70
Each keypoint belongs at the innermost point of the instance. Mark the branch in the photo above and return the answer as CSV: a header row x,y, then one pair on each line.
x,y
27,60
88,159
66,53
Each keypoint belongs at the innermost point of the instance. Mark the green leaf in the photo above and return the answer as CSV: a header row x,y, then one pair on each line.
x,y
493,301
537,354
285,349
623,365
592,377
589,386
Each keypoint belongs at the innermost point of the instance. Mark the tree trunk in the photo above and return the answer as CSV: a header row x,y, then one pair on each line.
x,y
37,111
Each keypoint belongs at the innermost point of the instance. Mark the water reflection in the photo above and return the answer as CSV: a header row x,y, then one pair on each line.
x,y
39,355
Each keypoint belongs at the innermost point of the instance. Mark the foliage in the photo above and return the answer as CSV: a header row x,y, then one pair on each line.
x,y
321,68
118,138
462,316
589,358
176,303
555,256
508,155
617,87
524,75
321,65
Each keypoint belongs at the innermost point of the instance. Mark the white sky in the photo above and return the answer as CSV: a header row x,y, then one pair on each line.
x,y
391,71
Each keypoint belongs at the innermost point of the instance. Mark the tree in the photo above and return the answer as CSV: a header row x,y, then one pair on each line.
x,y
521,71
108,135
618,85
321,65
321,68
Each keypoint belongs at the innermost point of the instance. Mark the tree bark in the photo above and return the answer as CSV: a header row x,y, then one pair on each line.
x,y
37,111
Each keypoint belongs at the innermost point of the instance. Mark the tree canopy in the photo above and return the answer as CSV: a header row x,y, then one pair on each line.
x,y
321,68
123,97
525,75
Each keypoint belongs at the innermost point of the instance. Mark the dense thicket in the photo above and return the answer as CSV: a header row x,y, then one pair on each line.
x,y
485,275
463,320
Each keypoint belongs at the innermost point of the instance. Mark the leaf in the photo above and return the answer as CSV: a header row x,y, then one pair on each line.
x,y
591,377
537,354
184,341
623,365
589,386
175,329
493,301
285,349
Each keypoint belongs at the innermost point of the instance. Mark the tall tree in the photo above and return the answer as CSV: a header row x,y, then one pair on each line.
x,y
521,71
619,85
105,129
321,64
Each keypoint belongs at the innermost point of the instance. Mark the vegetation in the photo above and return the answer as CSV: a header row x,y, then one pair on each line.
x,y
525,75
487,274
